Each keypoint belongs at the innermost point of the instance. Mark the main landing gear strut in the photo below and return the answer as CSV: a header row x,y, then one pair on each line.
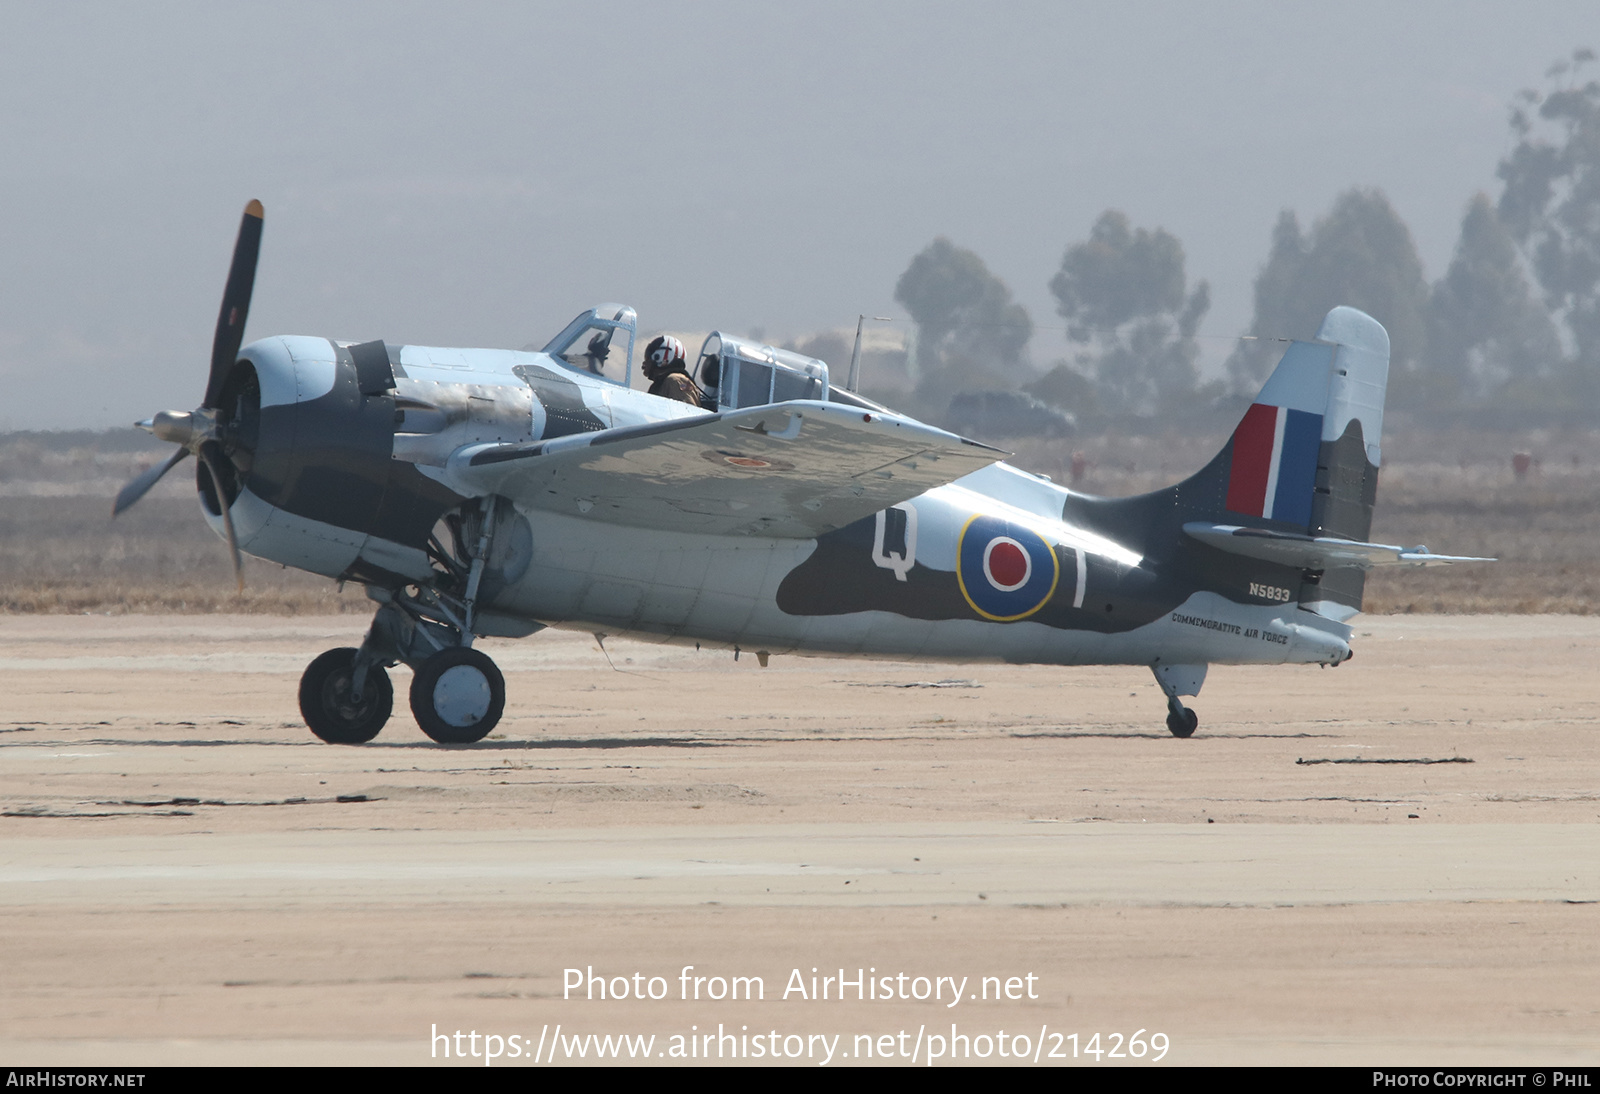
x,y
457,693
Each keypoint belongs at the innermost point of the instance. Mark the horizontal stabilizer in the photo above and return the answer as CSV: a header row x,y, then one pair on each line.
x,y
789,470
1314,552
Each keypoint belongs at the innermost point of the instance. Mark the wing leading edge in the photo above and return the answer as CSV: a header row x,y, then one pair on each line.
x,y
788,470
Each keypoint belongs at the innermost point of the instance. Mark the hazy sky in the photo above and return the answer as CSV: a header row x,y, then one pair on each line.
x,y
476,174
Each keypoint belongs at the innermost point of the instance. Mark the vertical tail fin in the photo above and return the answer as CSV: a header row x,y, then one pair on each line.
x,y
1307,452
1305,456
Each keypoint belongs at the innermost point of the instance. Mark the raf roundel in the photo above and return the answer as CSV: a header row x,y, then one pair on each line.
x,y
1006,571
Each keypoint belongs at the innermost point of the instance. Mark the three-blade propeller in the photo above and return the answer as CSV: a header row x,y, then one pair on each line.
x,y
200,432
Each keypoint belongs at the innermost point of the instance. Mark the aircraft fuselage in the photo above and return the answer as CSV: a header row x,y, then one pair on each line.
x,y
993,566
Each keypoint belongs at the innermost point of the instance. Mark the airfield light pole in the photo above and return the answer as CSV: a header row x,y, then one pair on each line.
x,y
855,354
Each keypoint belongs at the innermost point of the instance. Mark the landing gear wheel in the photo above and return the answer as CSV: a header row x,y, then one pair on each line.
x,y
1183,722
329,707
458,696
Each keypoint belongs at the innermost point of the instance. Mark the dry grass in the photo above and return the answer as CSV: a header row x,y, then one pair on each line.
x,y
1543,530
61,553
65,554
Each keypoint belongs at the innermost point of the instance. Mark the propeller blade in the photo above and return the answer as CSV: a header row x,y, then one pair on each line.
x,y
210,453
141,485
235,302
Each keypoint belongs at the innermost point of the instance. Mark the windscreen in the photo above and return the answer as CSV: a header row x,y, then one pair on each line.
x,y
599,342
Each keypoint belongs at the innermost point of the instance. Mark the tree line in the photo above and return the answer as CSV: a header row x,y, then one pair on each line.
x,y
1509,335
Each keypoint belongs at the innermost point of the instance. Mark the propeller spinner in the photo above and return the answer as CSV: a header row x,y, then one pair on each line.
x,y
203,432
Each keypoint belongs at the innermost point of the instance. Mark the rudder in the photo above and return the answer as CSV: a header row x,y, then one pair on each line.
x,y
1350,453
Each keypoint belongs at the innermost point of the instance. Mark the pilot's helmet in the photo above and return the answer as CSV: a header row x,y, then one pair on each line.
x,y
664,354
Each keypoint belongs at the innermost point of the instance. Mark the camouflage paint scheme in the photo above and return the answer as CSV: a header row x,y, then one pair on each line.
x,y
827,525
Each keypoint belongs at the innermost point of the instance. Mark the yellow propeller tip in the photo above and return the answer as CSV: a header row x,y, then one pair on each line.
x,y
254,209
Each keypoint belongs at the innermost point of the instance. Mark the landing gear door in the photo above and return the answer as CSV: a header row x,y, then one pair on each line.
x,y
598,343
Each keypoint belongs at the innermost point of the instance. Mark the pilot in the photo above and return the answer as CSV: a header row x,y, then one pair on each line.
x,y
664,368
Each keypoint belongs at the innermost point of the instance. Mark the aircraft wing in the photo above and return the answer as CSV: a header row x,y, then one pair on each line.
x,y
789,470
1314,552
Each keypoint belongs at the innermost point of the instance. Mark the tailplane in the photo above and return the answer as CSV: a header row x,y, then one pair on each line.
x,y
1293,488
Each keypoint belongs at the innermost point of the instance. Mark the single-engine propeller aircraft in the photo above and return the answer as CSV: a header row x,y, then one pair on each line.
x,y
491,492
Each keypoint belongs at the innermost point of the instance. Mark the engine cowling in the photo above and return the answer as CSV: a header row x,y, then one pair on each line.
x,y
309,429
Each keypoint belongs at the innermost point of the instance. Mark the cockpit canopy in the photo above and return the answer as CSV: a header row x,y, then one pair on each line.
x,y
743,373
598,343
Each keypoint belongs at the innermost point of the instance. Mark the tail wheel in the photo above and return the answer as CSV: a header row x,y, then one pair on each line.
x,y
1183,722
328,703
458,696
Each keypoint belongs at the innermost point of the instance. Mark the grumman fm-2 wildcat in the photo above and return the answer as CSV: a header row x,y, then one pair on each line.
x,y
491,492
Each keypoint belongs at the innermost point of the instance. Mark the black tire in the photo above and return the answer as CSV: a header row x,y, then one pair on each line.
x,y
326,705
458,696
1183,722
